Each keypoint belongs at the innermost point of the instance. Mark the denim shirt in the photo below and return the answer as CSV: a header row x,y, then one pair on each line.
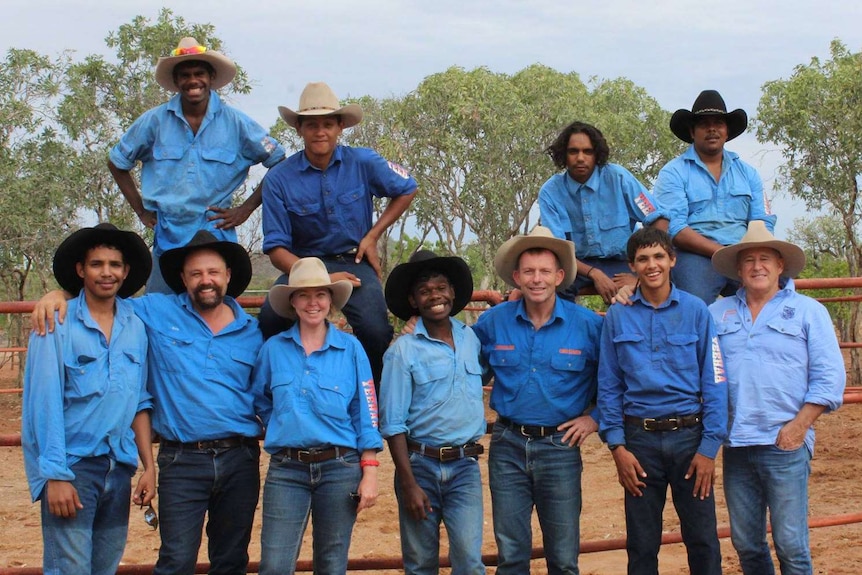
x,y
431,392
600,214
660,362
81,393
183,173
786,358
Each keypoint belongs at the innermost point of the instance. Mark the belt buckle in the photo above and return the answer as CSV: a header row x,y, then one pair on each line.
x,y
304,455
448,452
522,429
199,445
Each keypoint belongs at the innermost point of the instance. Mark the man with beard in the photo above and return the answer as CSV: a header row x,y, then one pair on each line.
x,y
202,349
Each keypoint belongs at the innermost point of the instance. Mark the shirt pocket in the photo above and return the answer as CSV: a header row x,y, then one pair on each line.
x,y
83,378
502,359
130,374
352,210
331,400
474,378
433,383
173,352
738,203
283,387
786,343
218,155
239,363
614,216
682,350
568,366
631,354
162,152
307,222
700,195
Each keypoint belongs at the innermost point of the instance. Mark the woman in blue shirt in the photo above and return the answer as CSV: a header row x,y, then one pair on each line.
x,y
320,413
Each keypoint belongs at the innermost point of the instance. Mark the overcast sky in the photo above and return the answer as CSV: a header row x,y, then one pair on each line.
x,y
673,48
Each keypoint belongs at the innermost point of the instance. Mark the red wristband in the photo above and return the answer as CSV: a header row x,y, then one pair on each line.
x,y
369,463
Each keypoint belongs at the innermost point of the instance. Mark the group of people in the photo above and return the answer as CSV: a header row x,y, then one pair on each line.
x,y
664,379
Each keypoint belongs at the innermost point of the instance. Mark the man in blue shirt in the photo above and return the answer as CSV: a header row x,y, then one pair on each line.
x,y
195,153
543,352
596,205
711,194
784,369
663,402
433,413
85,415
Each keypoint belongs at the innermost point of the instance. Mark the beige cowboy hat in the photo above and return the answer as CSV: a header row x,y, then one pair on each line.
x,y
757,236
318,99
307,273
189,49
507,256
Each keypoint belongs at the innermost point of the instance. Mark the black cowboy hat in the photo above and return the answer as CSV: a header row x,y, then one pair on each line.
x,y
708,103
73,249
402,277
235,256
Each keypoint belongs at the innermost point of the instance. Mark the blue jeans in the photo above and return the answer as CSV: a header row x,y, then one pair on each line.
x,y
665,457
93,541
609,267
454,489
224,483
365,311
545,473
761,477
694,273
294,491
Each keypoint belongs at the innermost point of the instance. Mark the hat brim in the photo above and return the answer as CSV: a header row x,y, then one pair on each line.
x,y
351,115
235,256
506,259
135,252
724,260
279,296
225,69
402,277
682,120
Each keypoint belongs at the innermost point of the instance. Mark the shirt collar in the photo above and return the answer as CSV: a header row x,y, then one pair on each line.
x,y
672,298
213,106
786,286
591,183
332,337
304,164
521,312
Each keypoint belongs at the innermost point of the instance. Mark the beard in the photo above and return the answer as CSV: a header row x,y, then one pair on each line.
x,y
209,301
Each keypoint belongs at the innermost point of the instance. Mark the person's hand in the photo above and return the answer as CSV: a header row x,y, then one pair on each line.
x,y
791,436
338,276
702,468
145,491
629,471
604,285
624,295
230,217
578,429
368,249
62,499
367,489
410,325
42,316
621,280
148,218
416,501
514,295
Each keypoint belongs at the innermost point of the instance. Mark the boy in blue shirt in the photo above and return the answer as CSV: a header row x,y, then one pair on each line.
x,y
432,414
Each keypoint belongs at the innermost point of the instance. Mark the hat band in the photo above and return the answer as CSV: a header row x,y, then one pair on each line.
x,y
310,108
189,50
711,111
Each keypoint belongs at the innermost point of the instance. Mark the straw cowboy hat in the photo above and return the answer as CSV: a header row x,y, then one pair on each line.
x,y
318,99
708,103
235,257
135,252
757,236
507,256
189,49
307,273
402,278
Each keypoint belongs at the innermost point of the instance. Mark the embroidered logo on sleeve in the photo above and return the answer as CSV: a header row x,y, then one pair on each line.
x,y
268,144
644,205
399,169
717,362
371,400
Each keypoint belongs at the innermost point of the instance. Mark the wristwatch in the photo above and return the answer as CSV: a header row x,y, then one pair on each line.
x,y
614,446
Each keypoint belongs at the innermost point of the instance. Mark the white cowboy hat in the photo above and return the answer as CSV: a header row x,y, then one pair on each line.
x,y
507,256
189,49
318,99
307,273
757,236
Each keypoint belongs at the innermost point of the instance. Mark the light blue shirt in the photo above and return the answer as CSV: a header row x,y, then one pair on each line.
x,y
200,381
183,172
600,214
786,358
719,210
431,392
323,399
662,362
81,393
545,376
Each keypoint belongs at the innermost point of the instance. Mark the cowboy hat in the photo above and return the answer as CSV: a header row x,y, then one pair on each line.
x,y
235,257
318,99
725,259
189,49
400,283
506,260
307,273
708,103
136,255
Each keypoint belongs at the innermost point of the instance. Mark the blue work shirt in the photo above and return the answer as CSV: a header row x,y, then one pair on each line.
x,y
719,210
182,172
599,215
545,376
200,381
313,212
323,399
662,362
787,357
82,392
431,392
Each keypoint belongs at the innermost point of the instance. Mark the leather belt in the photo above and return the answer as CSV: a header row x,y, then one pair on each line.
x,y
447,453
349,255
313,455
665,423
224,443
529,430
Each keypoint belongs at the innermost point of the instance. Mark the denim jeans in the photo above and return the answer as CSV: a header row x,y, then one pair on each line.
x,y
454,489
761,477
224,483
694,273
365,311
665,457
93,541
609,267
294,491
545,473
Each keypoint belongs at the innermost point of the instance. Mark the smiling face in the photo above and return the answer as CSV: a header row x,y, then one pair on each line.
x,y
206,277
312,305
193,81
709,135
652,265
759,270
320,135
580,157
433,297
538,275
103,272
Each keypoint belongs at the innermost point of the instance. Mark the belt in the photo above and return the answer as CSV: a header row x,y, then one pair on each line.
x,y
313,455
349,255
529,430
224,443
447,453
665,423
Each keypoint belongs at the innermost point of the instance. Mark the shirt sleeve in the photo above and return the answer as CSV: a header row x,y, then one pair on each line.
x,y
396,391
277,232
386,178
826,375
611,385
713,385
260,386
257,145
364,406
136,144
550,211
642,205
669,191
